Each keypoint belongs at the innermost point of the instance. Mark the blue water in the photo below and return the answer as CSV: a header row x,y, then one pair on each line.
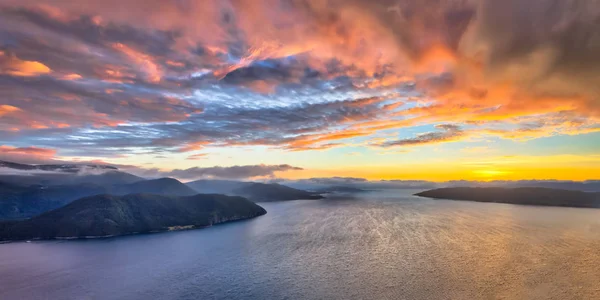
x,y
380,245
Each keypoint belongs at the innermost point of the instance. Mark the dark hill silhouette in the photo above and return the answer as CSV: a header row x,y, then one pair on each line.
x,y
20,202
107,215
162,186
258,192
265,192
216,186
340,189
524,195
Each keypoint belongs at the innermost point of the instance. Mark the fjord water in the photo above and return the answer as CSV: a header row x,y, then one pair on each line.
x,y
379,245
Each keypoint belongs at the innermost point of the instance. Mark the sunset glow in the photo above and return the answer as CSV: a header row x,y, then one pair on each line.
x,y
433,90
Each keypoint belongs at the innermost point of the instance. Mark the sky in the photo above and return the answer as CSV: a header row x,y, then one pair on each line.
x,y
391,89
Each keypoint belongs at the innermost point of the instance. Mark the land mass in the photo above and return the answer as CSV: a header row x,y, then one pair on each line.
x,y
523,196
267,192
20,202
109,215
340,189
257,192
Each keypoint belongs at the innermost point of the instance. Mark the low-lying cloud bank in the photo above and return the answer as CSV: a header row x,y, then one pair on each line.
x,y
270,173
217,172
319,183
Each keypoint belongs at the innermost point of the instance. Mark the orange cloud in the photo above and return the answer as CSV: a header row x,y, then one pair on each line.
x,y
7,109
144,61
12,65
72,76
26,154
197,156
193,146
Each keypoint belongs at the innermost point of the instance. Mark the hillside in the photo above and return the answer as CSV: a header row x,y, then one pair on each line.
x,y
524,195
266,192
340,189
20,202
161,186
258,192
106,215
216,186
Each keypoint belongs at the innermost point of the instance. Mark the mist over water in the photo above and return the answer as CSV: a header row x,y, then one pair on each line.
x,y
377,245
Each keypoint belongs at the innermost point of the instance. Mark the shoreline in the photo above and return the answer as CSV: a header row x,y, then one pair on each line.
x,y
168,229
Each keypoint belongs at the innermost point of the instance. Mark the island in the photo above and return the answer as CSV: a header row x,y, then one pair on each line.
x,y
255,191
522,195
341,189
269,192
110,215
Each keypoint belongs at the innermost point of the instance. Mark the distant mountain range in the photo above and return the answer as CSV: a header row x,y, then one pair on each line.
x,y
340,189
324,184
216,186
524,196
257,192
19,202
36,189
107,215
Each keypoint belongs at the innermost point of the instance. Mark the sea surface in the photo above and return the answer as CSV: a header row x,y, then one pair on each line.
x,y
376,245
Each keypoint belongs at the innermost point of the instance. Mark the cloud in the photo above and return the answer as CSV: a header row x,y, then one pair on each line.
x,y
12,65
26,154
233,172
294,75
197,156
6,109
447,133
335,180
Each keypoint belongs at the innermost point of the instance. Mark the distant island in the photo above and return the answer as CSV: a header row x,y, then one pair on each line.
x,y
340,189
255,191
523,196
108,215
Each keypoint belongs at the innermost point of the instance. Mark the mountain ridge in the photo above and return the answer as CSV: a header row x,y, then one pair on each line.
x,y
521,195
20,202
109,215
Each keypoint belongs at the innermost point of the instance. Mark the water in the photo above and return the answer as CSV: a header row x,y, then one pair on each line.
x,y
382,245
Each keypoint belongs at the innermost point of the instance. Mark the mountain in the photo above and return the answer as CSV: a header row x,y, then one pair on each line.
x,y
265,192
106,215
258,192
584,186
20,202
340,189
162,186
524,195
216,186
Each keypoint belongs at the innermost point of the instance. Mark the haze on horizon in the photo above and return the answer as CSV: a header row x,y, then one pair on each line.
x,y
435,90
